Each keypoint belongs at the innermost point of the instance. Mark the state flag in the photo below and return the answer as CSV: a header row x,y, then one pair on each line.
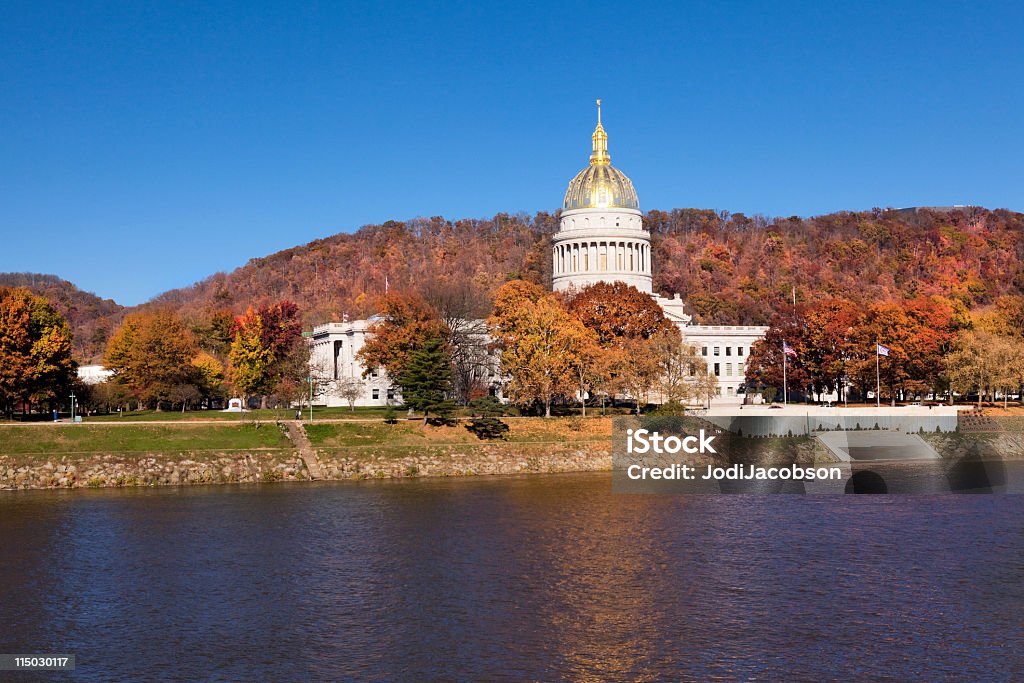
x,y
883,350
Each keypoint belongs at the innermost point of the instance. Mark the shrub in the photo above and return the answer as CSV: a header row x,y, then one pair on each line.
x,y
487,406
488,428
670,408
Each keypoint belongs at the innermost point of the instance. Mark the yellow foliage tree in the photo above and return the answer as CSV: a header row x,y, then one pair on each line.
x,y
545,352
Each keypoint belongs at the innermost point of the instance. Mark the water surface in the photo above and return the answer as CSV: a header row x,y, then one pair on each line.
x,y
524,578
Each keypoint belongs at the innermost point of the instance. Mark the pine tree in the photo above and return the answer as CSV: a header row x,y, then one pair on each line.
x,y
426,378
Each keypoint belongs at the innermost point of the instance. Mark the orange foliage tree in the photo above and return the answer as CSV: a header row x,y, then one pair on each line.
x,y
544,352
618,311
151,354
35,350
406,324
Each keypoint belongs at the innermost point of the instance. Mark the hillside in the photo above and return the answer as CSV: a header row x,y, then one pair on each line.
x,y
728,268
91,318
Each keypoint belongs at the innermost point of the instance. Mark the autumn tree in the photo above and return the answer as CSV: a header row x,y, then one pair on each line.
x,y
209,376
539,343
151,356
250,360
918,333
618,311
350,389
35,350
637,371
835,341
589,363
268,350
407,322
769,366
985,362
215,333
681,368
827,343
462,306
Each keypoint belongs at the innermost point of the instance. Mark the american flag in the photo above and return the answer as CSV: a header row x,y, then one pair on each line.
x,y
882,350
788,350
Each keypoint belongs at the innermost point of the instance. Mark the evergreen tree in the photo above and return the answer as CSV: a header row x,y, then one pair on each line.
x,y
426,378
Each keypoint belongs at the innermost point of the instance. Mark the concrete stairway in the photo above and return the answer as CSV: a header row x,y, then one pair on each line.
x,y
298,436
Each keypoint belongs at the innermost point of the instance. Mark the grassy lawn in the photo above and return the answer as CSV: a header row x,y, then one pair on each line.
x,y
1010,423
67,438
251,416
408,433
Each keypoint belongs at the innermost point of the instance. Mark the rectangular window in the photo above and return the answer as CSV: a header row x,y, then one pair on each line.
x,y
717,370
739,350
728,350
718,391
739,369
728,369
718,350
704,350
373,373
730,391
391,394
376,394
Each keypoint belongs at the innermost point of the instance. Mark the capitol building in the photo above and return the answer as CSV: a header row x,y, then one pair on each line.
x,y
601,238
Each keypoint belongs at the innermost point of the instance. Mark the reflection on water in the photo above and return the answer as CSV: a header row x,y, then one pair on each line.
x,y
532,578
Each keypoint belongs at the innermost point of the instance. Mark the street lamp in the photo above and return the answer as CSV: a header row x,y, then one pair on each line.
x,y
72,407
310,379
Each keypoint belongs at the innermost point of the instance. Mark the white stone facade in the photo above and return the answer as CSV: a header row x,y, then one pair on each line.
x,y
726,348
94,374
333,361
601,238
601,245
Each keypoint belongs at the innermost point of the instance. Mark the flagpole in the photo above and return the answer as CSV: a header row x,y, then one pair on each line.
x,y
785,390
878,381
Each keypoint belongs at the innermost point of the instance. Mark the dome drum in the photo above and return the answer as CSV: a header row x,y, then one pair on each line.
x,y
601,236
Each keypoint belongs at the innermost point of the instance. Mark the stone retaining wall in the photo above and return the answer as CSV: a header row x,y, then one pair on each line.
x,y
457,461
149,469
161,469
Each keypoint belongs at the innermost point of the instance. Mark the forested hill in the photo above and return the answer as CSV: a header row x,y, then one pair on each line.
x,y
91,318
728,268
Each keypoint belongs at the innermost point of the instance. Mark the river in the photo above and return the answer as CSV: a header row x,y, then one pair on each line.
x,y
510,578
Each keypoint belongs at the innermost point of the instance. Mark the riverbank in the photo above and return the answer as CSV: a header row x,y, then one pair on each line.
x,y
98,455
173,454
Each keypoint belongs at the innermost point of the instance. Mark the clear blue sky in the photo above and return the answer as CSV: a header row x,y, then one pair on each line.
x,y
144,146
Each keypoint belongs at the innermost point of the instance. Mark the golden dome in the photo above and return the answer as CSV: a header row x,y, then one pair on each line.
x,y
600,185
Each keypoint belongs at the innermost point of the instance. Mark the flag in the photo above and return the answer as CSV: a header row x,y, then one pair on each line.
x,y
882,350
788,350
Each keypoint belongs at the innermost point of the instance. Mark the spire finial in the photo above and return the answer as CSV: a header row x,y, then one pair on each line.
x,y
600,157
